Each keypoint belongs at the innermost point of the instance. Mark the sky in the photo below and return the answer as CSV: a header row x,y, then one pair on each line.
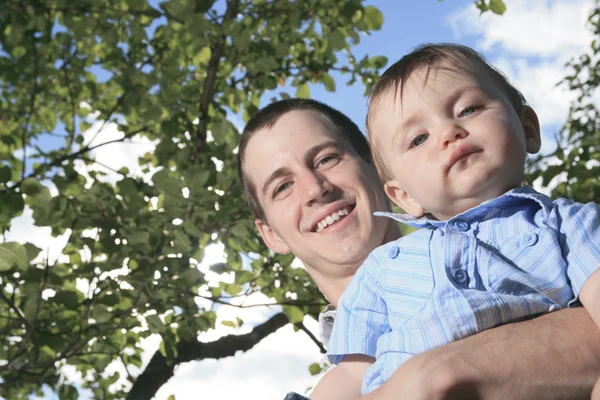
x,y
530,43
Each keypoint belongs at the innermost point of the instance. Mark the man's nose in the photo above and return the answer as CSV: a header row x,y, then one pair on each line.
x,y
451,133
315,187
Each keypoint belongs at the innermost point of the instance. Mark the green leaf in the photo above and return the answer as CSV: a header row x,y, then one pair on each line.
x,y
219,268
11,206
230,324
101,314
155,324
11,254
337,40
168,348
192,276
5,174
138,237
497,6
166,184
35,190
203,56
303,91
67,298
315,369
172,397
373,17
187,330
67,392
329,83
378,61
294,314
202,6
32,251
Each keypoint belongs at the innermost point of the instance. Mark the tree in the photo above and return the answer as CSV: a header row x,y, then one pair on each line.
x,y
177,74
573,169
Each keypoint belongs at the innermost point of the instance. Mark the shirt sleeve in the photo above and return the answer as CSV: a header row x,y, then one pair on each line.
x,y
580,240
361,316
326,320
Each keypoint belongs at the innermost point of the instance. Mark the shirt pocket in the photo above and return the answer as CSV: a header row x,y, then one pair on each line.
x,y
408,293
528,261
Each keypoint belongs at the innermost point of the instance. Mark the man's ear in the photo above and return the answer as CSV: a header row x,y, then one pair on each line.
x,y
531,125
271,239
401,197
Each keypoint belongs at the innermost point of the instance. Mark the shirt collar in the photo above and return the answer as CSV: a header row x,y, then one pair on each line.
x,y
523,194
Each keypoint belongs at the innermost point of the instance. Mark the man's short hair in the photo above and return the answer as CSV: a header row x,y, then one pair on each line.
x,y
267,117
456,58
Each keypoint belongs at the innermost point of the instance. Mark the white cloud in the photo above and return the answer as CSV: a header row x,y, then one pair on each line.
x,y
538,28
23,230
269,370
115,155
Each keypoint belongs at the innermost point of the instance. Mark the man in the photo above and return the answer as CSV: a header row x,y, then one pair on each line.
x,y
307,173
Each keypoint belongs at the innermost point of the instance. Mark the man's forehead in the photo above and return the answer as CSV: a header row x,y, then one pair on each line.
x,y
295,133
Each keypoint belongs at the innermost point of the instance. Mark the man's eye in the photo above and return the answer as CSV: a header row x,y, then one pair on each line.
x,y
329,159
419,140
282,188
468,110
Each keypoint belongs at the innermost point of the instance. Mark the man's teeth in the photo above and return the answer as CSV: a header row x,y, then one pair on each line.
x,y
330,219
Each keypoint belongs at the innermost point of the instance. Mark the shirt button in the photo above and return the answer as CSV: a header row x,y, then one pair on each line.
x,y
394,251
459,276
530,238
462,226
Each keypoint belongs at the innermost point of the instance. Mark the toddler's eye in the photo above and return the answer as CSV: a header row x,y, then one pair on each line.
x,y
468,110
419,140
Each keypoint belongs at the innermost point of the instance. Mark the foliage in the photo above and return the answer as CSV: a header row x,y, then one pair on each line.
x,y
495,6
573,169
179,74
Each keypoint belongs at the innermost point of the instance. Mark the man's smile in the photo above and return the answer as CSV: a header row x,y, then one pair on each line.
x,y
332,218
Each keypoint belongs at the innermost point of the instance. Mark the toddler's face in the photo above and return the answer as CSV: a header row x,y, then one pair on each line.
x,y
451,142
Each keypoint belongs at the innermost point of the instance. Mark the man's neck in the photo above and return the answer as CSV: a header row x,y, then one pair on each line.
x,y
332,286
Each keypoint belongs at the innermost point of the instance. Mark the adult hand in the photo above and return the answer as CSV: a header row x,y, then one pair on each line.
x,y
596,392
555,356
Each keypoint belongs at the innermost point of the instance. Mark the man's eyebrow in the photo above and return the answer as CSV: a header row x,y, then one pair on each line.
x,y
313,151
279,172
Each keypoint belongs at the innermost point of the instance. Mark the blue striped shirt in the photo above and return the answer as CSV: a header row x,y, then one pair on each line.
x,y
510,258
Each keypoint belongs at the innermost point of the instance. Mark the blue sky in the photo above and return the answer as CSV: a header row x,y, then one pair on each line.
x,y
406,25
530,43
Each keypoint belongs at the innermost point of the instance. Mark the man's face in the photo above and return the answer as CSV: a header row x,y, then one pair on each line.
x,y
451,142
318,195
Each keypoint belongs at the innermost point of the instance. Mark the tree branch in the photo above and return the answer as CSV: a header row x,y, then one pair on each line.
x,y
159,371
34,93
84,150
208,89
312,337
283,303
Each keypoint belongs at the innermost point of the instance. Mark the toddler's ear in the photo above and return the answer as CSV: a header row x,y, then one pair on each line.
x,y
531,125
401,197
